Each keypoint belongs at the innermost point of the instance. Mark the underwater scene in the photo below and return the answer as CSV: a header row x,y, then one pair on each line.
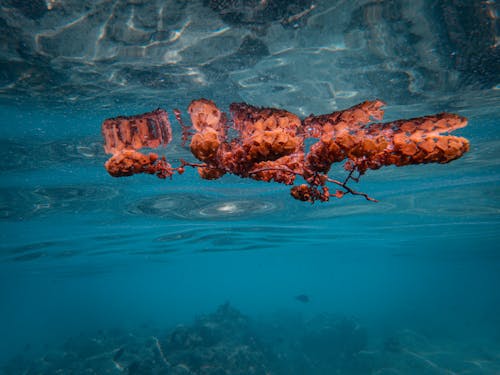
x,y
236,187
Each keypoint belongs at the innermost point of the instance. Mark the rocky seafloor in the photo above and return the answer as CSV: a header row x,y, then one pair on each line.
x,y
228,342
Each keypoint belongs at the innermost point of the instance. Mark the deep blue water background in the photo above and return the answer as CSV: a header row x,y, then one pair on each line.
x,y
81,251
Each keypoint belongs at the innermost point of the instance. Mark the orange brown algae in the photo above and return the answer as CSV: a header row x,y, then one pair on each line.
x,y
269,144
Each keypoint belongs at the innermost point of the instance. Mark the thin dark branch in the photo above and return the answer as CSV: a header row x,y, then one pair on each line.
x,y
351,191
333,181
349,176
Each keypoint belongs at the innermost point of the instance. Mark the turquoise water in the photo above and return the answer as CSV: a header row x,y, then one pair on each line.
x,y
185,276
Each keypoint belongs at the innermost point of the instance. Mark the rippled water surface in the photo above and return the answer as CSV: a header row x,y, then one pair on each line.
x,y
139,275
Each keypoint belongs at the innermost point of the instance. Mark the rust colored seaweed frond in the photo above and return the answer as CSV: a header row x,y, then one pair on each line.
x,y
130,162
150,130
269,144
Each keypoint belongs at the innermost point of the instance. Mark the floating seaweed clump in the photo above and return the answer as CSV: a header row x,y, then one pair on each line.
x,y
270,144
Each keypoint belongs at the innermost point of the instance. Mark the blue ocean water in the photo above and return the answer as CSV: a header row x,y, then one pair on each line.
x,y
137,275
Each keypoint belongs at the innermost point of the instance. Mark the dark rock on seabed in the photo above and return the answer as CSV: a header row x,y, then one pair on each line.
x,y
227,342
